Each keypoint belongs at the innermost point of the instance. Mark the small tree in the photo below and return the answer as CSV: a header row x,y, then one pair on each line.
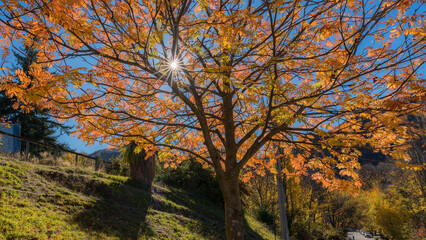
x,y
392,219
142,167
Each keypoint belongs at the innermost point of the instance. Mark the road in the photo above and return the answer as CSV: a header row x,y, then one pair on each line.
x,y
358,236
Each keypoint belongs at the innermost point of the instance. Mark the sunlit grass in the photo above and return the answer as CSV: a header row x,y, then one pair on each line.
x,y
54,202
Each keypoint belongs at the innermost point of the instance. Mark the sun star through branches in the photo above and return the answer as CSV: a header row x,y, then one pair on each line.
x,y
174,65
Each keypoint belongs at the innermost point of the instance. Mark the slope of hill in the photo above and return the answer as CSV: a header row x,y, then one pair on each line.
x,y
106,154
50,202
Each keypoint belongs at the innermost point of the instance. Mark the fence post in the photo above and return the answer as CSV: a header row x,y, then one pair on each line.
x,y
27,150
97,163
76,159
55,155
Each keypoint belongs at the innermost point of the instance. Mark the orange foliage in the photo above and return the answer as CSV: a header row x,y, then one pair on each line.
x,y
325,76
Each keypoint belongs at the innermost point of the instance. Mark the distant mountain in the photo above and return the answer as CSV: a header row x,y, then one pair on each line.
x,y
106,154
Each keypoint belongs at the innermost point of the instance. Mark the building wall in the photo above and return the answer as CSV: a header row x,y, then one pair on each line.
x,y
10,144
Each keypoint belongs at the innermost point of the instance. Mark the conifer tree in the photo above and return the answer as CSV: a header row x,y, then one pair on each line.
x,y
35,124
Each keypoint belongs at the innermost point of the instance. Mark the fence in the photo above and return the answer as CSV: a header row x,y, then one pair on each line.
x,y
56,150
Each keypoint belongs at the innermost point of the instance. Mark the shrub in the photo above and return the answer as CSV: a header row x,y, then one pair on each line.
x,y
266,217
334,234
302,230
117,167
190,175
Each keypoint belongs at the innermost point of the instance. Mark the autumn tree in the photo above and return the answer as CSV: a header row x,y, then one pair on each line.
x,y
222,80
418,149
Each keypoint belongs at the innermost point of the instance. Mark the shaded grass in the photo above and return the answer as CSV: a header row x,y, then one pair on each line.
x,y
45,202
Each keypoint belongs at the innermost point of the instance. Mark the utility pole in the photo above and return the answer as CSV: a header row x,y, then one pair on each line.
x,y
281,197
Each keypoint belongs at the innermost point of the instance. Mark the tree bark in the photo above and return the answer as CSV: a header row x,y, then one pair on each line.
x,y
282,199
143,170
234,221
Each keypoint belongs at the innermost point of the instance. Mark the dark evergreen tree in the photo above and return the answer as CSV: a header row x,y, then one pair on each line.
x,y
36,124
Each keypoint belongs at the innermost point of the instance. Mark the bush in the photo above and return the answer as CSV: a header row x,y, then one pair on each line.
x,y
190,175
301,230
334,234
266,217
117,167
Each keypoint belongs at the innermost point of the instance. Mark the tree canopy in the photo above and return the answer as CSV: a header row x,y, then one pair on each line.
x,y
223,80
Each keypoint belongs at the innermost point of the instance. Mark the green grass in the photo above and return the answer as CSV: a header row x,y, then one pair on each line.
x,y
48,202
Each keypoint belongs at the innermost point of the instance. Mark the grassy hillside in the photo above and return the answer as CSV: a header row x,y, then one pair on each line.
x,y
49,202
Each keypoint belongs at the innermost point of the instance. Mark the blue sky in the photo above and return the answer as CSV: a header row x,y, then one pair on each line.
x,y
77,144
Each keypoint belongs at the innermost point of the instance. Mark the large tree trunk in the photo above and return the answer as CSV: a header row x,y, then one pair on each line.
x,y
234,221
143,171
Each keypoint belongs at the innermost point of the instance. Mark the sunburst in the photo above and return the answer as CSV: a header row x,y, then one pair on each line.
x,y
171,67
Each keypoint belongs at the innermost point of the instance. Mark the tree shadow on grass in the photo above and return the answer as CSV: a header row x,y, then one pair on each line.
x,y
122,207
210,216
250,234
120,211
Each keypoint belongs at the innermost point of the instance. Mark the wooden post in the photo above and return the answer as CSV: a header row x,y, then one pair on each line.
x,y
27,151
55,155
97,163
76,160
